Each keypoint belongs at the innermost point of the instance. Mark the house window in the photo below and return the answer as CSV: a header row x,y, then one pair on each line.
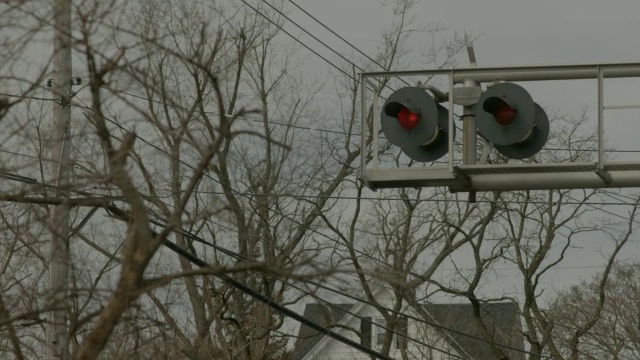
x,y
365,331
401,327
380,331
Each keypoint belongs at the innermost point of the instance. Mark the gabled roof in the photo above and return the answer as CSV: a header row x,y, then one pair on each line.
x,y
326,315
501,319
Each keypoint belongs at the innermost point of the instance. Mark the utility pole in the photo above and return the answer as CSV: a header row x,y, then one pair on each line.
x,y
57,328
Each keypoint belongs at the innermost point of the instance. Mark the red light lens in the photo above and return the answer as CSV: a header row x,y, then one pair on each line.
x,y
504,114
408,120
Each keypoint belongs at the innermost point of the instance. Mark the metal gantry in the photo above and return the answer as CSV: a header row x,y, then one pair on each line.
x,y
467,176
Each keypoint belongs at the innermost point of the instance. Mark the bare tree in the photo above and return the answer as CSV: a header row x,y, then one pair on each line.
x,y
187,126
192,125
614,321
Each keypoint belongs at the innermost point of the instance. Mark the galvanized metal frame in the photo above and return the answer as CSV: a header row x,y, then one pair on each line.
x,y
510,176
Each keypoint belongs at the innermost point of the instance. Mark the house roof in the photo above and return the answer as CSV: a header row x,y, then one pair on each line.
x,y
501,319
327,315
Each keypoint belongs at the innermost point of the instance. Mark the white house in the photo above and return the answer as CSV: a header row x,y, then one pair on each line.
x,y
448,331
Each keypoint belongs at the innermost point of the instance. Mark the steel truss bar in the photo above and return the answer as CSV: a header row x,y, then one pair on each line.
x,y
522,176
509,177
524,73
621,107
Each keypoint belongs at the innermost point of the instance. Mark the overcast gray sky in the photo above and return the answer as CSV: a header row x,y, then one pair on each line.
x,y
511,31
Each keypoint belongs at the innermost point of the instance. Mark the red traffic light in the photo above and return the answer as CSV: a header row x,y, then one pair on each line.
x,y
504,114
507,116
407,119
412,120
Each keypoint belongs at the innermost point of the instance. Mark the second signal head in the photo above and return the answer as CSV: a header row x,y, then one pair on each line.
x,y
411,120
507,116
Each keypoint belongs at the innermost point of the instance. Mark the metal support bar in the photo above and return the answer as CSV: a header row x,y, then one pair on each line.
x,y
548,181
364,125
469,132
604,175
464,178
375,117
600,120
471,53
438,95
486,149
508,178
525,73
621,107
451,124
548,73
469,135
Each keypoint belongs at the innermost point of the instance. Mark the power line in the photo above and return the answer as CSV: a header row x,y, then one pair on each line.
x,y
248,195
314,37
612,151
340,37
22,96
336,197
238,118
343,39
300,42
343,197
593,205
323,43
385,264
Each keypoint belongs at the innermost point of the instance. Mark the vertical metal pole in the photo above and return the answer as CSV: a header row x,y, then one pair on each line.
x,y
57,328
375,117
469,136
451,124
600,119
469,130
364,125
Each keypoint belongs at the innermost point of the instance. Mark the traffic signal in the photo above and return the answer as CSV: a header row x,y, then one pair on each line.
x,y
412,120
507,116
